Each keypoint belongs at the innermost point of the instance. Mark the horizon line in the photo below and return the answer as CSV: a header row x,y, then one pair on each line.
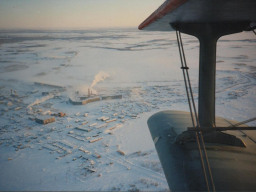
x,y
67,28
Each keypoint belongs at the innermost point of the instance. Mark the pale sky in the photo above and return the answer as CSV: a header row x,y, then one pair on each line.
x,y
74,14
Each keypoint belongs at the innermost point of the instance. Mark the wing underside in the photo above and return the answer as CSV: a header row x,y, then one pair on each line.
x,y
200,11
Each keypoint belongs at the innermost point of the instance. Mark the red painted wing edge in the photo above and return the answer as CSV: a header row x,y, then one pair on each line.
x,y
164,9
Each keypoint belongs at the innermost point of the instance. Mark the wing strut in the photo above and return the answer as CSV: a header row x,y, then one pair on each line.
x,y
195,122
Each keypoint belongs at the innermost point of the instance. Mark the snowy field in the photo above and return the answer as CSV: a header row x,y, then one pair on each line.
x,y
103,145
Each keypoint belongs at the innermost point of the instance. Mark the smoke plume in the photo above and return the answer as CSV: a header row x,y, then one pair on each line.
x,y
101,76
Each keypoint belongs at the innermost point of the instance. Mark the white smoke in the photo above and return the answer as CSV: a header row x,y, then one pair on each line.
x,y
41,100
101,76
75,91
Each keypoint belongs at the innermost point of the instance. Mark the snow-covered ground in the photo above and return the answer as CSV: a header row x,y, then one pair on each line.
x,y
41,70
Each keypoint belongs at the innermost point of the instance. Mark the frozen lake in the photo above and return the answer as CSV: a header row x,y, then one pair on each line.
x,y
104,145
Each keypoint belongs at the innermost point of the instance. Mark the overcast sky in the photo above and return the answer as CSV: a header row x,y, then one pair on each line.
x,y
74,14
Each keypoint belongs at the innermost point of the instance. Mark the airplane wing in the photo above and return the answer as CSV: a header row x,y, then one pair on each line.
x,y
200,11
224,161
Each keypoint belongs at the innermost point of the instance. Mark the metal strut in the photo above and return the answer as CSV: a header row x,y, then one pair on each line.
x,y
199,137
243,122
229,128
